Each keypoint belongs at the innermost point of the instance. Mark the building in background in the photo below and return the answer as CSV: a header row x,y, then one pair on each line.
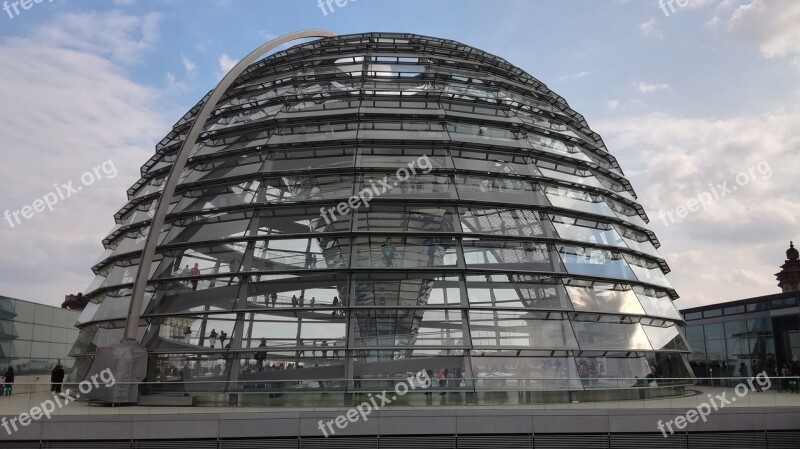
x,y
502,247
742,338
33,337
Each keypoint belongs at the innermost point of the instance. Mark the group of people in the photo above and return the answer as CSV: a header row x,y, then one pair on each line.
x,y
212,338
194,271
56,379
433,248
300,302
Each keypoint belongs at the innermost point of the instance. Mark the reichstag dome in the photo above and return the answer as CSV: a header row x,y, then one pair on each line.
x,y
362,207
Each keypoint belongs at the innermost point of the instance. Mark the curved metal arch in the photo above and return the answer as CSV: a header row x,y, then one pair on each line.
x,y
143,272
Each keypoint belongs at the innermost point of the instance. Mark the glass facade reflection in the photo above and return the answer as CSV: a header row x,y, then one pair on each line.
x,y
33,337
519,258
743,338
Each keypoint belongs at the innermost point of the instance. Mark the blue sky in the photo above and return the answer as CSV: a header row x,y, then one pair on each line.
x,y
684,100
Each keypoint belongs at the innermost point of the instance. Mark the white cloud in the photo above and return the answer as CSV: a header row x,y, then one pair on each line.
x,y
572,76
226,63
646,88
649,28
743,235
67,107
188,65
120,37
612,104
773,25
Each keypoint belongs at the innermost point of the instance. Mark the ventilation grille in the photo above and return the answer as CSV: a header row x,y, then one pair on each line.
x,y
648,440
81,445
175,444
491,441
783,440
339,443
567,441
433,441
726,440
261,443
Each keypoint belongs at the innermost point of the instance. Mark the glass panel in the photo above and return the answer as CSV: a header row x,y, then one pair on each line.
x,y
214,197
239,165
758,306
244,116
201,228
713,331
43,315
735,329
408,327
197,331
130,242
568,173
532,330
382,368
784,302
405,252
525,373
316,290
733,310
656,302
505,222
301,332
517,255
398,157
290,254
23,330
693,316
610,336
406,219
288,221
419,186
309,158
25,311
587,231
665,338
496,189
669,366
231,142
638,241
293,188
501,290
760,327
189,295
608,298
694,334
649,272
507,164
406,290
715,352
613,372
595,262
578,200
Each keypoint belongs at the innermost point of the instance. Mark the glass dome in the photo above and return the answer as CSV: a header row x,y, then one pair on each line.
x,y
500,243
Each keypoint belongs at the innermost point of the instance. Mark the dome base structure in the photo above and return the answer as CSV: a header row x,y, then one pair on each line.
x,y
365,210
